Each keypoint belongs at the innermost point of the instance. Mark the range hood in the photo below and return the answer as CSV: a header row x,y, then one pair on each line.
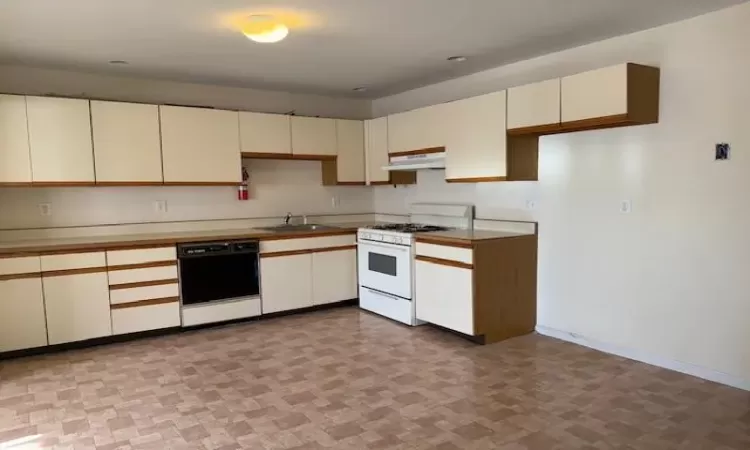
x,y
417,162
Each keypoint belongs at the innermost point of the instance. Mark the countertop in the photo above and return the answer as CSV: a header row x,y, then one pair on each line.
x,y
467,236
34,247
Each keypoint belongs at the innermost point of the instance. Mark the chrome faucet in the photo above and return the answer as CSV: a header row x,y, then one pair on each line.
x,y
287,218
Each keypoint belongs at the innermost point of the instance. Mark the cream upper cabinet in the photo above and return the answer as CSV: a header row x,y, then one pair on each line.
x,y
376,149
127,143
334,276
350,141
60,140
313,136
417,129
200,145
597,93
265,133
476,143
15,156
279,292
534,104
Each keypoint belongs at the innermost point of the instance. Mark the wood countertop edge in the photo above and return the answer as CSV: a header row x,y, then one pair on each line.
x,y
136,243
429,238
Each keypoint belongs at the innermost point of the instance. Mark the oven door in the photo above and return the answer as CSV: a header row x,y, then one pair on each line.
x,y
385,268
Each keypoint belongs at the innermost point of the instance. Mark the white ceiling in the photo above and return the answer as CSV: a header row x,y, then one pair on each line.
x,y
335,45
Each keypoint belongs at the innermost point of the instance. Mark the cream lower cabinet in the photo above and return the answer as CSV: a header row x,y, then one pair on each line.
x,y
334,276
22,322
77,307
286,282
444,296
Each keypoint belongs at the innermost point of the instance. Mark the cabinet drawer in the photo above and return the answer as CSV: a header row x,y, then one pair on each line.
x,y
137,294
145,318
464,255
139,275
288,245
140,256
73,261
12,266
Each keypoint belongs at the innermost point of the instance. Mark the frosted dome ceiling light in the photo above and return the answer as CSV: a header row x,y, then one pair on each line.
x,y
264,29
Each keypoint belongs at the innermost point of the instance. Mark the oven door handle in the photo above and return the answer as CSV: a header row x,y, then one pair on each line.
x,y
401,248
383,294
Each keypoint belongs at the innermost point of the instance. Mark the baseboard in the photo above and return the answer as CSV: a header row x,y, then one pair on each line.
x,y
678,366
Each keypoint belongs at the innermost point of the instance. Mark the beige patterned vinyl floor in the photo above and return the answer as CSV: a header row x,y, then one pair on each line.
x,y
345,379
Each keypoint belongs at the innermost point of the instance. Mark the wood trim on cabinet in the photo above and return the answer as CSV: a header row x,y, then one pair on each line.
x,y
380,183
444,262
298,235
307,251
63,183
335,249
421,151
536,130
16,184
143,265
595,123
476,180
115,287
20,276
129,183
141,303
93,248
445,242
66,272
351,183
522,158
202,183
288,156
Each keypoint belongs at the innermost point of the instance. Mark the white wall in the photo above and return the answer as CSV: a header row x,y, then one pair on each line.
x,y
668,283
276,187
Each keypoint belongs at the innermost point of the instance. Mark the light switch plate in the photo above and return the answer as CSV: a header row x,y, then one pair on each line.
x,y
626,206
160,206
45,209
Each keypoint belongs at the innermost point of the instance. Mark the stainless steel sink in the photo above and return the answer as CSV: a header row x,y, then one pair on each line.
x,y
299,227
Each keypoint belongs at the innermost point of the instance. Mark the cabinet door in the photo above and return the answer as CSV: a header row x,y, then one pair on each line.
x,y
594,94
476,149
376,149
22,323
286,282
60,140
313,136
15,156
350,141
444,296
334,276
77,307
265,133
417,129
200,145
127,144
534,104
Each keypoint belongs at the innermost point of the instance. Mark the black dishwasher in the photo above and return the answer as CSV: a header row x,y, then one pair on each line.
x,y
218,271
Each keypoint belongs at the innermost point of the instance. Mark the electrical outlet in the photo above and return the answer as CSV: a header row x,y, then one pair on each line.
x,y
45,209
626,207
530,205
160,206
335,202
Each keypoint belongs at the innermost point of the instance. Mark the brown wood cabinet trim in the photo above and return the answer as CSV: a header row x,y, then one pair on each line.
x,y
335,249
444,262
143,265
595,123
16,184
141,303
137,246
309,250
288,156
63,184
286,253
421,151
66,272
129,183
115,287
202,183
445,243
351,183
94,248
20,276
300,235
380,183
535,130
475,180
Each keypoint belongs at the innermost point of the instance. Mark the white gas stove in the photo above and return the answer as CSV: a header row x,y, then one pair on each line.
x,y
386,258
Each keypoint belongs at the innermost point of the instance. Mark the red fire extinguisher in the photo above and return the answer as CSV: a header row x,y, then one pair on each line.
x,y
242,192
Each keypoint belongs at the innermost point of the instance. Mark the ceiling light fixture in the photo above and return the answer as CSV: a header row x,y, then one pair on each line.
x,y
360,89
118,61
457,59
264,29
